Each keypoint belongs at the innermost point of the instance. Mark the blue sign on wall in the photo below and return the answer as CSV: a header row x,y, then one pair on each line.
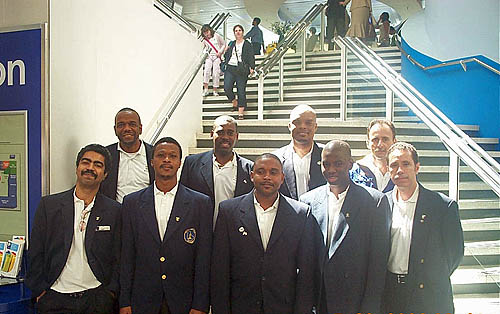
x,y
21,89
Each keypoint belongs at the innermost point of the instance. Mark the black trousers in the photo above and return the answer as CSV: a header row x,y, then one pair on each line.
x,y
98,301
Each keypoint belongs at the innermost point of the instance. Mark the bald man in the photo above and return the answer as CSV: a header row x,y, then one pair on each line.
x,y
355,245
301,158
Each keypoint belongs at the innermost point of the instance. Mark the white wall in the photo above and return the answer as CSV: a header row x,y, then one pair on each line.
x,y
451,29
105,55
23,12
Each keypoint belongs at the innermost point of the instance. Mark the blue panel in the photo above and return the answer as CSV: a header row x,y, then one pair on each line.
x,y
26,46
471,97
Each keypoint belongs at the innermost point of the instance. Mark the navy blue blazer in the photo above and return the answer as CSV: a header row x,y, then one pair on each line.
x,y
108,186
245,279
353,269
177,267
289,187
197,174
436,250
52,235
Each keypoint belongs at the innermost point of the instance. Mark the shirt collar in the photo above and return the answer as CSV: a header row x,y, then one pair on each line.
x,y
172,192
341,195
297,155
412,199
141,151
232,162
274,207
76,199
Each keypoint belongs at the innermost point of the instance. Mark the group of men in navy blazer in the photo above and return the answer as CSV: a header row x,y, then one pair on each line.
x,y
232,235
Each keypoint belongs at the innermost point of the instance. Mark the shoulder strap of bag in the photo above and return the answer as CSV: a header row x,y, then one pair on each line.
x,y
212,45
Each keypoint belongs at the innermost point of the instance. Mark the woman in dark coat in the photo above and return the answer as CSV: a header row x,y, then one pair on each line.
x,y
239,50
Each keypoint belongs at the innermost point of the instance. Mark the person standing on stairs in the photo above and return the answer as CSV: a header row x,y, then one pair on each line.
x,y
302,157
256,37
216,45
427,242
240,62
373,170
219,173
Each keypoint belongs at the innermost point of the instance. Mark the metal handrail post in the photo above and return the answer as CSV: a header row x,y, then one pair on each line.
x,y
454,176
225,30
343,82
322,31
280,78
303,52
260,98
389,104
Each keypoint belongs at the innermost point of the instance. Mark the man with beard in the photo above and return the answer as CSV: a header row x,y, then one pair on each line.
x,y
373,170
354,245
301,158
427,242
167,238
219,173
130,170
263,252
75,243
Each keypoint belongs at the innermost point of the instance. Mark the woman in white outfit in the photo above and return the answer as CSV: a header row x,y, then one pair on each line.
x,y
215,45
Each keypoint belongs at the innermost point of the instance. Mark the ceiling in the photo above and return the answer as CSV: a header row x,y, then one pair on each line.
x,y
243,11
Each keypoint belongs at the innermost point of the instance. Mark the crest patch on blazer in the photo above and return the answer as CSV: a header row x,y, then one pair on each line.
x,y
190,235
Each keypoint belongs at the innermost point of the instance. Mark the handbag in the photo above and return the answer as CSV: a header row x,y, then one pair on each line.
x,y
242,69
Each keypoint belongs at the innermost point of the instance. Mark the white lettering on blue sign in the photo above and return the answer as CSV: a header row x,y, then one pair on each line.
x,y
9,73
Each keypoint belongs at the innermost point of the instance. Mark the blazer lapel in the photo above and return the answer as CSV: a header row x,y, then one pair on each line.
x,y
92,222
316,178
179,209
249,219
68,213
207,170
289,172
347,214
420,228
242,182
148,212
320,211
280,222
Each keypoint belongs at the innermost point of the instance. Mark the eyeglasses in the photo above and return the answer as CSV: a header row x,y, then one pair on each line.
x,y
83,216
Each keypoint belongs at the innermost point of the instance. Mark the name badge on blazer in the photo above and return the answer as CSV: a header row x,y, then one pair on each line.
x,y
103,228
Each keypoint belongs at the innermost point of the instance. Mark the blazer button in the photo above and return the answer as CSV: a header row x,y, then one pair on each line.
x,y
421,286
163,277
263,278
346,275
421,261
162,259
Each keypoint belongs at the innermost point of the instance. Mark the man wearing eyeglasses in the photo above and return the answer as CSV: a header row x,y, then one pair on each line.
x,y
75,243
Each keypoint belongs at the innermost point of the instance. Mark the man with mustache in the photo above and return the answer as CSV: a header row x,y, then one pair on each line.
x,y
354,245
373,170
167,238
263,258
427,242
75,243
219,173
130,170
301,158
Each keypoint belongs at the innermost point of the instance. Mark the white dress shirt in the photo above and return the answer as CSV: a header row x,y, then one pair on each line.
x,y
382,179
76,275
301,167
133,174
224,182
334,207
265,219
163,207
402,225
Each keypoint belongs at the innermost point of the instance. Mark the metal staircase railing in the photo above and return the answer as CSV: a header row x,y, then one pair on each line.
x,y
459,144
276,56
161,118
